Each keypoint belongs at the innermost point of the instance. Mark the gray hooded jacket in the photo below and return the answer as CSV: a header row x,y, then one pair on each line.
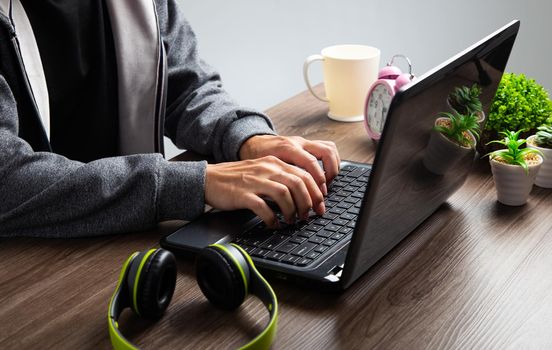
x,y
44,194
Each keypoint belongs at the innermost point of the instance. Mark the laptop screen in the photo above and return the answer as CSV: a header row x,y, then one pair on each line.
x,y
416,169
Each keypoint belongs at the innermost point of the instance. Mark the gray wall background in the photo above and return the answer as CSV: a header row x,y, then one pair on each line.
x,y
259,46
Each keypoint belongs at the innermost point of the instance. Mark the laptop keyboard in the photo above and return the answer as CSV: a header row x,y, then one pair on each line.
x,y
302,243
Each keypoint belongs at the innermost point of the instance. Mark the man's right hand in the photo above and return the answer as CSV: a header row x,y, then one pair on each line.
x,y
244,184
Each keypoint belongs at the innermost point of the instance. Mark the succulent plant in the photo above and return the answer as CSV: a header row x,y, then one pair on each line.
x,y
459,125
543,137
466,99
513,154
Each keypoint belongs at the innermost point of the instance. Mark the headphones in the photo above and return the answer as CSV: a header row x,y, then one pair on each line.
x,y
225,274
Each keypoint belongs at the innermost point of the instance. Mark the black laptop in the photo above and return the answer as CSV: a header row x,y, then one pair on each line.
x,y
370,208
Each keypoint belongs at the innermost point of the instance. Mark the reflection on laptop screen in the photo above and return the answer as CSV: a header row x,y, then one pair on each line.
x,y
415,172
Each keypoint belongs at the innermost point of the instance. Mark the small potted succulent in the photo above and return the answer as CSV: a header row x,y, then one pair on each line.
x,y
453,136
514,169
542,141
465,100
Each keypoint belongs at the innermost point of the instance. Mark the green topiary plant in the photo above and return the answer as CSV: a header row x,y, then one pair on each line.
x,y
456,127
466,100
513,154
543,137
519,103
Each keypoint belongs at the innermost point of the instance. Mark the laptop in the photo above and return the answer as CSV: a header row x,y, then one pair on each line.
x,y
370,208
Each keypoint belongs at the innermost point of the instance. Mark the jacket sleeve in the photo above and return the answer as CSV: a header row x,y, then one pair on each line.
x,y
201,116
47,195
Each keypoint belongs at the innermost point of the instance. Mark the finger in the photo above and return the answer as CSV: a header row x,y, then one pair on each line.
x,y
334,147
299,192
280,194
315,193
328,155
309,162
260,208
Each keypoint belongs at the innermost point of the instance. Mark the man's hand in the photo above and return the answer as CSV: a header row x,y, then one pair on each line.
x,y
244,184
298,151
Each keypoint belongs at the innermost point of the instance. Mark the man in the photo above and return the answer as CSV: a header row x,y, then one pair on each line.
x,y
88,88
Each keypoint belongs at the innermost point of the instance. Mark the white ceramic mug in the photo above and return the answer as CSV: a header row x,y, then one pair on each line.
x,y
349,71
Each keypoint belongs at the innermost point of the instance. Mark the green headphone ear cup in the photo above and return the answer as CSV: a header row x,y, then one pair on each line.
x,y
220,279
156,284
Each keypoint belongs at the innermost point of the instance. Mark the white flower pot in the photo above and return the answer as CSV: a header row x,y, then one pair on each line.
x,y
544,176
441,153
513,184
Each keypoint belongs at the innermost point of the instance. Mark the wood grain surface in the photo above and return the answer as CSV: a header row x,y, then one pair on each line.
x,y
475,275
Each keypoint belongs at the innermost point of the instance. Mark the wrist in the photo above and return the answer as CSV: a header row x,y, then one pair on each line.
x,y
247,149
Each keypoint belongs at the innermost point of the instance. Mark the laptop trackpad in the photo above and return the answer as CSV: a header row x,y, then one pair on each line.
x,y
212,227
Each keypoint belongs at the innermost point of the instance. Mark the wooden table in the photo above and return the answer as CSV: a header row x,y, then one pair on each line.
x,y
475,275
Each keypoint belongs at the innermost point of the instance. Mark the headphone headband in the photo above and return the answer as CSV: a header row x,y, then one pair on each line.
x,y
138,264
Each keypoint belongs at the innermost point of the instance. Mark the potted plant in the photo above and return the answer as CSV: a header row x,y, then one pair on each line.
x,y
465,100
453,136
519,103
542,141
514,169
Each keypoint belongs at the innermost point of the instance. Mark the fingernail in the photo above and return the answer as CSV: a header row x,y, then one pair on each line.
x,y
321,208
324,189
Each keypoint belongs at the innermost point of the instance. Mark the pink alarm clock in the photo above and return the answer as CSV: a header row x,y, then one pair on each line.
x,y
390,80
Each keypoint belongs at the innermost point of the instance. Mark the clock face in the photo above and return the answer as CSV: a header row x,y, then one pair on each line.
x,y
378,106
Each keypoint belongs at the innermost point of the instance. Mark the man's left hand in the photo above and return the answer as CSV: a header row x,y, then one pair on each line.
x,y
298,151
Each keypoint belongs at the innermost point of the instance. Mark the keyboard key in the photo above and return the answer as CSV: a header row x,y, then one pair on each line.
x,y
320,249
303,249
332,227
358,184
354,211
335,197
321,221
345,193
329,242
345,230
274,241
340,222
304,262
312,255
347,179
297,239
350,188
330,203
345,205
316,239
247,248
337,210
346,168
358,194
274,256
351,224
357,172
306,233
255,240
324,233
363,179
338,236
259,252
348,216
286,247
290,259
314,227
329,216
351,200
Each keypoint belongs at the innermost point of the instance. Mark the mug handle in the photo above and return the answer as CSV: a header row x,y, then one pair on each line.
x,y
306,65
